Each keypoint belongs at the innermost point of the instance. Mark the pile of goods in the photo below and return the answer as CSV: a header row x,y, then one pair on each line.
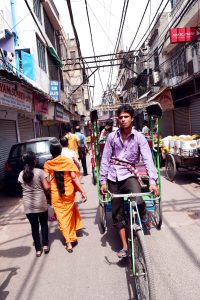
x,y
183,145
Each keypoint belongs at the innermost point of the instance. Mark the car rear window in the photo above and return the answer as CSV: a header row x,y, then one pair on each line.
x,y
40,147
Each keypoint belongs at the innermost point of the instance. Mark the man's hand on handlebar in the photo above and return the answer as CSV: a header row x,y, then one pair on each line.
x,y
154,189
103,189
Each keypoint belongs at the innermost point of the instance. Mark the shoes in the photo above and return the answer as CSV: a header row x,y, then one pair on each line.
x,y
146,221
46,249
85,174
39,253
122,253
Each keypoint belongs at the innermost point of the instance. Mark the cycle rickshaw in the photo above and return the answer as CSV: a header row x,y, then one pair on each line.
x,y
140,265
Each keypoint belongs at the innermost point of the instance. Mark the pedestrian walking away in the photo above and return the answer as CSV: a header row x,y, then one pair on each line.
x,y
63,178
34,182
121,152
73,140
82,149
67,152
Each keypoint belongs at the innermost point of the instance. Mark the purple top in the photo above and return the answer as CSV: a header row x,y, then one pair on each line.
x,y
128,151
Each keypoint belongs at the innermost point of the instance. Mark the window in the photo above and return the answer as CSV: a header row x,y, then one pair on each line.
x,y
41,55
72,54
87,106
37,9
25,63
156,60
50,32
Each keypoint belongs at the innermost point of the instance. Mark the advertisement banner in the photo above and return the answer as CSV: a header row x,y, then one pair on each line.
x,y
54,90
182,35
40,105
15,96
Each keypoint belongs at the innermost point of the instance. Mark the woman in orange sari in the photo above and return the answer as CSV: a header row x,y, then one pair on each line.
x,y
63,175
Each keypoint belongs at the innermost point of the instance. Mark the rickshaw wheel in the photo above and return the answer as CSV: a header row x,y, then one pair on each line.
x,y
144,279
94,178
102,218
170,167
157,214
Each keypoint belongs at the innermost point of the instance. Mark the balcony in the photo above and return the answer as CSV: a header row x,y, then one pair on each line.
x,y
52,13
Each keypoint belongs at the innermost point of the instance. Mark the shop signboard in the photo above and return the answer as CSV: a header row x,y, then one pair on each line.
x,y
182,35
59,112
15,96
54,90
66,117
40,105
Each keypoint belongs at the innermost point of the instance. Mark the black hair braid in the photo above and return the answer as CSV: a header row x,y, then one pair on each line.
x,y
29,160
59,177
28,174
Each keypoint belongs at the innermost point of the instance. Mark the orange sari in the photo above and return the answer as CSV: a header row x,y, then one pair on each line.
x,y
66,211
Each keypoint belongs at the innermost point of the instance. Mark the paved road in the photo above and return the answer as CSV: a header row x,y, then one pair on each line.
x,y
93,271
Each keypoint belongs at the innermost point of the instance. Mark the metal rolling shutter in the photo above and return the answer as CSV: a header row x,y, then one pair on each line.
x,y
54,130
8,137
181,121
195,116
26,128
166,127
44,131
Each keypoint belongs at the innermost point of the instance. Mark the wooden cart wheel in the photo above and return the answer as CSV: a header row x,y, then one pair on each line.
x,y
102,218
170,167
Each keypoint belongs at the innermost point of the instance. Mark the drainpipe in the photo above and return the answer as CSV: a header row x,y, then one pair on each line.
x,y
12,3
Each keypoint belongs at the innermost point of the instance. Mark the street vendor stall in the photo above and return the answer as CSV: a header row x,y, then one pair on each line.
x,y
182,153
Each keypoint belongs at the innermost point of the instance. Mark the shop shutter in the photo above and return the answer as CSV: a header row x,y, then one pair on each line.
x,y
44,131
166,127
181,121
26,128
8,137
54,130
195,116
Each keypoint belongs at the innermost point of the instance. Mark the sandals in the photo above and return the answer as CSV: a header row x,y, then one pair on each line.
x,y
122,253
46,249
146,221
39,253
69,248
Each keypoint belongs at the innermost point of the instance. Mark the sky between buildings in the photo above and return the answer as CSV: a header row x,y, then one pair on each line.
x,y
105,19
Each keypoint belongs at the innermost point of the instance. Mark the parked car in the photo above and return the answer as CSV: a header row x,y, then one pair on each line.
x,y
14,164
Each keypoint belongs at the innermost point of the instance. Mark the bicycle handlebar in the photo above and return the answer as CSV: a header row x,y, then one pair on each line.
x,y
133,195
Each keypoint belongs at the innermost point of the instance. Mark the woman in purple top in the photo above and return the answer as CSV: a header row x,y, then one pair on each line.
x,y
122,151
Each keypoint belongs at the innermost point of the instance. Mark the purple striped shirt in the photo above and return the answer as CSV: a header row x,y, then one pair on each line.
x,y
129,151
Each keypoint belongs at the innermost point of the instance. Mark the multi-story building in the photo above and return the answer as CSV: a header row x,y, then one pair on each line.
x,y
168,70
79,98
34,91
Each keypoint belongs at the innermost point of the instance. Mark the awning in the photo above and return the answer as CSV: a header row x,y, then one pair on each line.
x,y
144,96
55,56
157,94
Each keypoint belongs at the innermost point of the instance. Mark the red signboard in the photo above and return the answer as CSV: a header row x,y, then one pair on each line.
x,y
40,105
182,35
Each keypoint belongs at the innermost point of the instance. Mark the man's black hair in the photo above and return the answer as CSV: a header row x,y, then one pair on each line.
x,y
64,141
125,108
77,129
109,123
68,128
